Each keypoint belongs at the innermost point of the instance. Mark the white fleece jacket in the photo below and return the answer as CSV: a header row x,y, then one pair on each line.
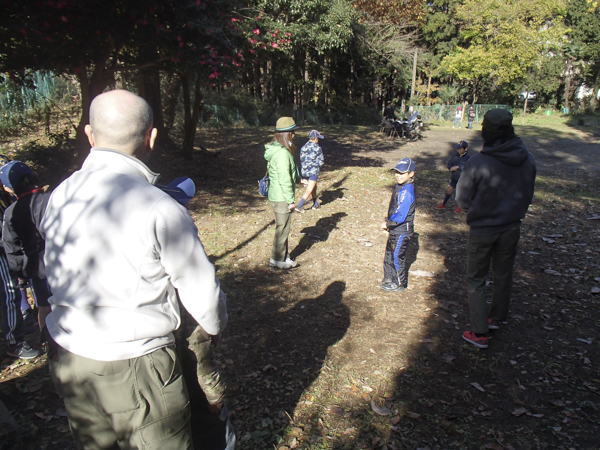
x,y
118,253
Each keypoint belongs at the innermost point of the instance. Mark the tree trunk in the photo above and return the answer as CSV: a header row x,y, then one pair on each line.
x,y
149,90
90,88
173,87
429,91
414,76
257,89
568,76
192,114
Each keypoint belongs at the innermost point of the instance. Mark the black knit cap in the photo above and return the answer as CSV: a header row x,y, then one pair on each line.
x,y
494,119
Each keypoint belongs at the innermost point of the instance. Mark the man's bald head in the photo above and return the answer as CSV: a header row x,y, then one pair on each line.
x,y
120,120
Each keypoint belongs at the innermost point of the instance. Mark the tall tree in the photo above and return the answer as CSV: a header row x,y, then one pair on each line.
x,y
502,39
94,39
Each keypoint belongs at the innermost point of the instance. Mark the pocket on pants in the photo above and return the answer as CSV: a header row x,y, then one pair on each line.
x,y
174,426
117,392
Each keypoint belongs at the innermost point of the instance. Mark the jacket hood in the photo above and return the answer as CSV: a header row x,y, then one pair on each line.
x,y
512,152
273,147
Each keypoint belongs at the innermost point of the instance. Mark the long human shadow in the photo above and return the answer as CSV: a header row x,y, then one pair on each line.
x,y
272,365
317,233
242,244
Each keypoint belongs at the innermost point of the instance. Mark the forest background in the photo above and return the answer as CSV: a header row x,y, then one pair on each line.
x,y
287,56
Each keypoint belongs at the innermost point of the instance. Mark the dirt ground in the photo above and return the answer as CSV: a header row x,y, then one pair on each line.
x,y
319,357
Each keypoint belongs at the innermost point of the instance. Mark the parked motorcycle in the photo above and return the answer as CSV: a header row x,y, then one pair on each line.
x,y
412,127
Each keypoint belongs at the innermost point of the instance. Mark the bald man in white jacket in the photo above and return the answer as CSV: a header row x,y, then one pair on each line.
x,y
119,253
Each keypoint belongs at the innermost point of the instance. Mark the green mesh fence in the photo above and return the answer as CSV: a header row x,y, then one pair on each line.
x,y
227,116
446,113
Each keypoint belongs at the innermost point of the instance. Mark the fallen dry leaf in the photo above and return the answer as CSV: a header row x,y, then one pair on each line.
x,y
477,386
336,410
381,410
412,415
519,412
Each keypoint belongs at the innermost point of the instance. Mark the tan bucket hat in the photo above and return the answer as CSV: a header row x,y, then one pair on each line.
x,y
285,124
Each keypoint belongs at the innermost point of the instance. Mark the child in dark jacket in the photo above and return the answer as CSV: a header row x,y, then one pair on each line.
x,y
455,166
23,242
399,223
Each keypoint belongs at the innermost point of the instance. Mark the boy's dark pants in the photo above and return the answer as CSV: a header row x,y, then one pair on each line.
x,y
394,262
501,250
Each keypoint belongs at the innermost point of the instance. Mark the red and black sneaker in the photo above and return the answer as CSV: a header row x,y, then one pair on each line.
x,y
477,341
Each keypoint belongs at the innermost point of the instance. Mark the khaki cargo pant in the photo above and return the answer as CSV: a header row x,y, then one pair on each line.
x,y
139,403
283,221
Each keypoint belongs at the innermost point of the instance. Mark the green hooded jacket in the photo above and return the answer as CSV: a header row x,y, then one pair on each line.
x,y
283,173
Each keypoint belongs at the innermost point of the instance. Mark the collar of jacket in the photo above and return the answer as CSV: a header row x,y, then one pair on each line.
x,y
120,162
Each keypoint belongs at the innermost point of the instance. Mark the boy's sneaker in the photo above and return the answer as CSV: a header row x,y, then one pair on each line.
x,y
291,262
299,210
477,341
458,210
390,286
280,264
440,206
493,324
22,350
316,206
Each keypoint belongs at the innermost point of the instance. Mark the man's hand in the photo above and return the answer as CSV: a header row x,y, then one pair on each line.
x,y
292,206
215,409
384,226
304,182
454,168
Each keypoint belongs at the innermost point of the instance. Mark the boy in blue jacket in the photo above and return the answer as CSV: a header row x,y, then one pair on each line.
x,y
455,166
399,223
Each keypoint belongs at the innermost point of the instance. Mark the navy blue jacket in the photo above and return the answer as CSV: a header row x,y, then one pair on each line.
x,y
459,161
401,212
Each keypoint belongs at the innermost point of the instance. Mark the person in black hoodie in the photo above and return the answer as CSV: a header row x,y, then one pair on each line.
x,y
22,241
495,190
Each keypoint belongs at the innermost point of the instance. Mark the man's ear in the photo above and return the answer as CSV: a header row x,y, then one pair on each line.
x,y
90,135
153,135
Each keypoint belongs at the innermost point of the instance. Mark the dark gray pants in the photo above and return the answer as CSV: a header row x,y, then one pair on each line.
x,y
283,221
499,249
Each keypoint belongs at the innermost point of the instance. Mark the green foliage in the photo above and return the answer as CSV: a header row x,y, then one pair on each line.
x,y
503,39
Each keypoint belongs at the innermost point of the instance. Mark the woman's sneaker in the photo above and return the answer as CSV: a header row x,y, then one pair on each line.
x,y
299,210
316,205
477,341
280,264
291,262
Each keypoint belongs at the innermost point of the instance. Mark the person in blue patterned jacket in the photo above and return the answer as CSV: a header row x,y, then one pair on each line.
x,y
311,160
399,223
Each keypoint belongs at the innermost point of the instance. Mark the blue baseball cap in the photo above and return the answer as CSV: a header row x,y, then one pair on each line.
x,y
405,165
11,173
313,134
462,144
181,189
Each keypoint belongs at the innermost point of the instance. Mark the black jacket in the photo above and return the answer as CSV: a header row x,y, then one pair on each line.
x,y
496,187
23,242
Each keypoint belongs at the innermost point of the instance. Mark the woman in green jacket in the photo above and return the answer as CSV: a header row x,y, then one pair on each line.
x,y
283,175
